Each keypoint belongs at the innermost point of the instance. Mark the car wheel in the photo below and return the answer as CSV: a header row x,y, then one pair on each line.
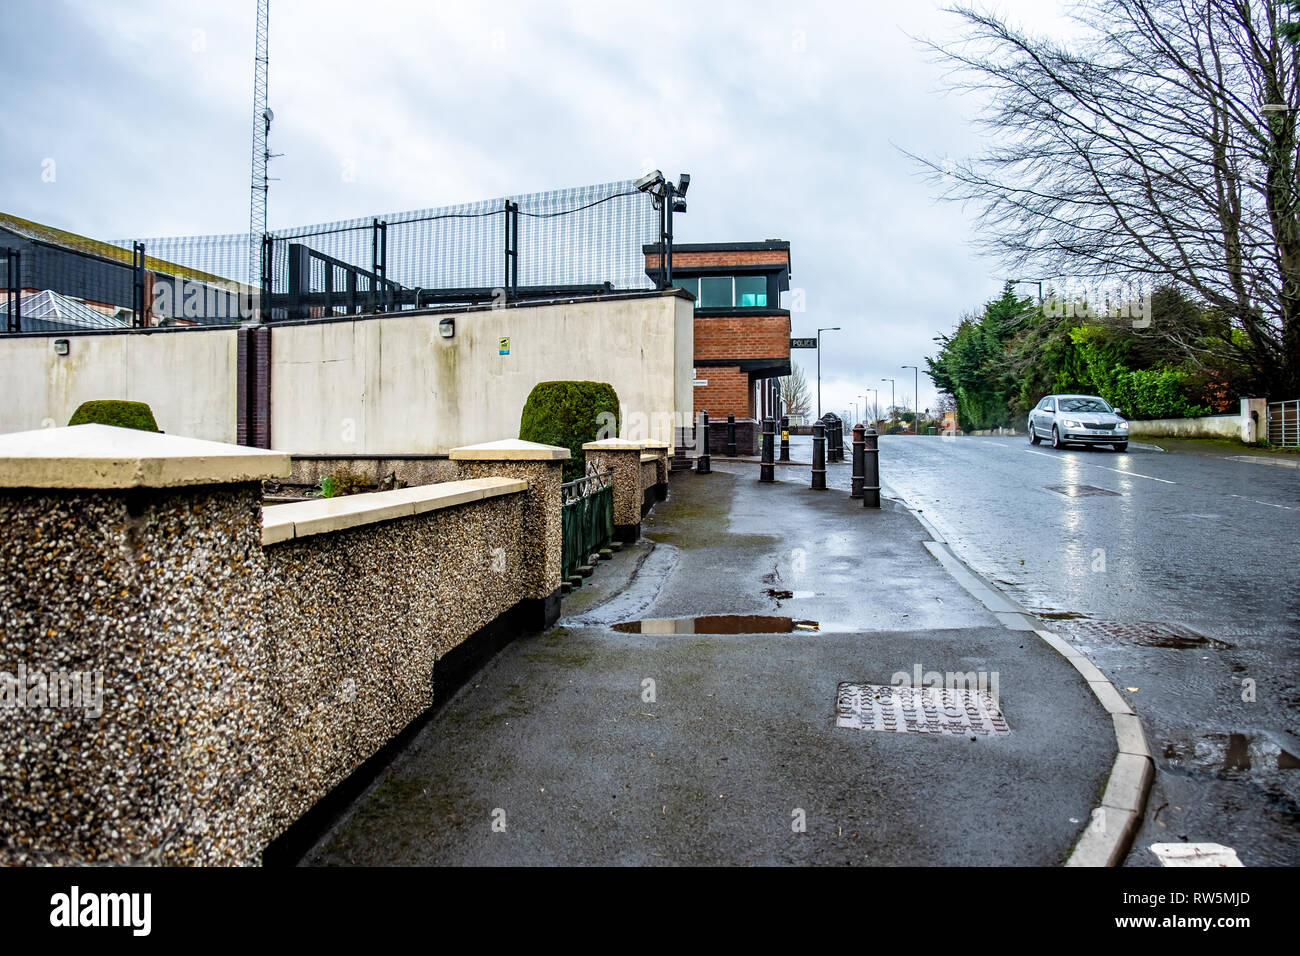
x,y
1033,435
1056,439
1121,446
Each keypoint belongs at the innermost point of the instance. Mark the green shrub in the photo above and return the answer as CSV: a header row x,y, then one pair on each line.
x,y
568,414
341,482
123,414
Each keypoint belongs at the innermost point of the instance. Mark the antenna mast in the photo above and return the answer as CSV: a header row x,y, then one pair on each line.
x,y
261,127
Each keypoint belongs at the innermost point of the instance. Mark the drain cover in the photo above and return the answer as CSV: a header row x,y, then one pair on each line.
x,y
1081,491
917,710
1142,633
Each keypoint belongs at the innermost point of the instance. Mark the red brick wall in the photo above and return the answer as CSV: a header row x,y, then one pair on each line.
x,y
735,336
728,391
706,260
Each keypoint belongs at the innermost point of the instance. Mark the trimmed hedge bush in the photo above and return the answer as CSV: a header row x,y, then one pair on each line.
x,y
569,414
123,414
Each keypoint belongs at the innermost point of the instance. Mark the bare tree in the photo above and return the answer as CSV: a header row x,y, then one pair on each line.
x,y
795,398
1161,146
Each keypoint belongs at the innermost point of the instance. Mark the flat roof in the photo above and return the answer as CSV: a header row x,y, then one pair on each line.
x,y
767,245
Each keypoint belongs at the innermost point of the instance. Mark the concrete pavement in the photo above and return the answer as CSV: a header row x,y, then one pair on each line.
x,y
585,745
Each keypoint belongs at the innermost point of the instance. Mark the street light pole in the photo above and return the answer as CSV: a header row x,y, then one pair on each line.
x,y
916,397
892,405
829,328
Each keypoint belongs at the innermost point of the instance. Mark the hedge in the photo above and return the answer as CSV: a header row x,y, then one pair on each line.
x,y
123,414
569,414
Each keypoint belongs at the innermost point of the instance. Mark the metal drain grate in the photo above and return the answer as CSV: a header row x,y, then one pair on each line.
x,y
1141,633
918,710
1081,491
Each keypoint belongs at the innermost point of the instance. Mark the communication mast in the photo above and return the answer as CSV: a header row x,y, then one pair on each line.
x,y
262,117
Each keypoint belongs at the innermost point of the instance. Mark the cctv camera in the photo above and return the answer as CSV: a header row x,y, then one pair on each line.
x,y
649,179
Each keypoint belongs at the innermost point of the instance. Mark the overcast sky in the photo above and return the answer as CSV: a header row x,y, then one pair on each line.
x,y
789,118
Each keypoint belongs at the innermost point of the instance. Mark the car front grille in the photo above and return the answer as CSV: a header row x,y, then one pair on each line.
x,y
1100,426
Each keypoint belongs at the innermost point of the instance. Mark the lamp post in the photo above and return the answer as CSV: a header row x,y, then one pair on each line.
x,y
875,406
1037,282
891,396
916,395
829,328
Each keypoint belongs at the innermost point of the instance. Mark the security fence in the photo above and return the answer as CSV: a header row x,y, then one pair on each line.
x,y
588,238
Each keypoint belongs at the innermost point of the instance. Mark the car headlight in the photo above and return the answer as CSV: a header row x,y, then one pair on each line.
x,y
1071,423
1122,426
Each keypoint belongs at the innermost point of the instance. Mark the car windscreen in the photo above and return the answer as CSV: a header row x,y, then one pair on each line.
x,y
1083,405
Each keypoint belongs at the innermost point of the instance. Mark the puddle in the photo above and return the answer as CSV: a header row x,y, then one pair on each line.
x,y
720,624
1233,755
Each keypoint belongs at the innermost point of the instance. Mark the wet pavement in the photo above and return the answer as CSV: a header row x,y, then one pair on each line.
x,y
1178,579
671,745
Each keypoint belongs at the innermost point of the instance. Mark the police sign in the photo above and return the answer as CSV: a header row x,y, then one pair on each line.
x,y
803,343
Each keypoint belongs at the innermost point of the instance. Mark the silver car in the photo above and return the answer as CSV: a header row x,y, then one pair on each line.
x,y
1077,419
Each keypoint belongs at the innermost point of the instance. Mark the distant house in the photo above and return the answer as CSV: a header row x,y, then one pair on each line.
x,y
98,275
47,311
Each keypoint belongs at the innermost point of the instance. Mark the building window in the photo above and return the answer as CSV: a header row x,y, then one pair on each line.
x,y
715,292
690,285
751,291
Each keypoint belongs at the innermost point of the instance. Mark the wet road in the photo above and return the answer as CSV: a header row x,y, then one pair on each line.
x,y
1176,574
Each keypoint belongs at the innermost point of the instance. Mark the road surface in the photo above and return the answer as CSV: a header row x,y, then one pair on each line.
x,y
1176,574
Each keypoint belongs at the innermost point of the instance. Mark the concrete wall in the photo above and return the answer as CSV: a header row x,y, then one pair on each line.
x,y
374,386
1212,426
394,385
188,378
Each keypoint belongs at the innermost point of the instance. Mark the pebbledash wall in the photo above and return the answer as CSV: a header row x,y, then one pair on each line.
x,y
249,661
373,386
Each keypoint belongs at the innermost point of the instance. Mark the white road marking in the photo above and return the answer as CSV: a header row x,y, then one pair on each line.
x,y
1258,502
1118,471
1195,854
1121,471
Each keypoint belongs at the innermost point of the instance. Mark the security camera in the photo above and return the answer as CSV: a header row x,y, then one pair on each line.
x,y
649,180
683,183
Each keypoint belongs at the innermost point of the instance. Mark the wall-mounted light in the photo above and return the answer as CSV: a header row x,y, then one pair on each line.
x,y
447,328
61,346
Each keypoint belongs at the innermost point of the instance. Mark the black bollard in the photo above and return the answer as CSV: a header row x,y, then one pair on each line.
x,y
785,437
767,471
819,457
859,475
833,441
702,466
871,469
839,439
731,435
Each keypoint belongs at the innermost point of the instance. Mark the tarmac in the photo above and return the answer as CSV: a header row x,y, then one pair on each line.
x,y
587,745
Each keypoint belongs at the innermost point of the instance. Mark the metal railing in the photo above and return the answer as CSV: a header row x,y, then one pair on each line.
x,y
1284,424
587,518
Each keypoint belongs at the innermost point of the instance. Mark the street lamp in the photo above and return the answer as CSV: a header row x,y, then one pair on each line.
x,y
1037,282
891,396
875,406
916,395
829,328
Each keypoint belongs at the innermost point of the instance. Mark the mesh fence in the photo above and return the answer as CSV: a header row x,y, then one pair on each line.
x,y
585,235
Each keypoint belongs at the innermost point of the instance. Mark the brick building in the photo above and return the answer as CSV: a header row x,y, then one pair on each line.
x,y
742,335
